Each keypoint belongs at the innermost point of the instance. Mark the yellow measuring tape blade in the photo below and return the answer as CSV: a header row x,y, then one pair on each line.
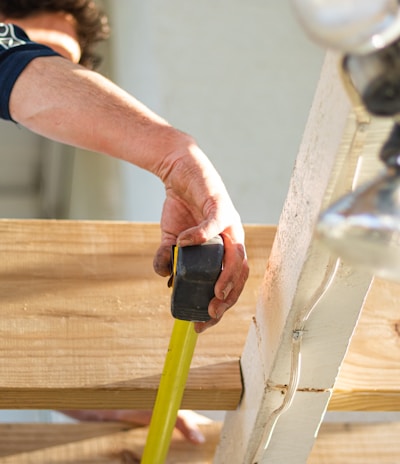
x,y
170,392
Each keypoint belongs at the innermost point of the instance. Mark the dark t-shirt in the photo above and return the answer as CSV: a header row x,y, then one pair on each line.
x,y
16,52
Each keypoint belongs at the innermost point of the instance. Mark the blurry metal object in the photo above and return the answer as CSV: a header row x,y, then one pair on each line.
x,y
363,227
350,26
376,78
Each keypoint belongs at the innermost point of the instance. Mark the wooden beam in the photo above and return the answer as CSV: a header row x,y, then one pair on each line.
x,y
114,447
349,443
353,443
80,306
308,306
369,379
27,438
85,322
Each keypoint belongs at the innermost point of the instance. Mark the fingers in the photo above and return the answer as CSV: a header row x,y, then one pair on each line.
x,y
218,307
192,236
234,273
162,260
201,327
187,423
228,287
233,277
199,234
231,280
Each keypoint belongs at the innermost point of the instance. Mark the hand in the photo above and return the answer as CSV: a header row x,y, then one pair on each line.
x,y
197,208
187,421
99,116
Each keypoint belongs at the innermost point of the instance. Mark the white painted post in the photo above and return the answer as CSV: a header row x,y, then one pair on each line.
x,y
301,277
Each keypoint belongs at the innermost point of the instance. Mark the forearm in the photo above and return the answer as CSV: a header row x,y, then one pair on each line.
x,y
70,104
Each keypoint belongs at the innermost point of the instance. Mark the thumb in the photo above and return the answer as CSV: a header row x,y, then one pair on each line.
x,y
206,230
162,261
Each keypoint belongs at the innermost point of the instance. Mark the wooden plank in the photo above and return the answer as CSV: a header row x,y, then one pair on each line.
x,y
75,295
25,438
85,322
366,443
275,423
350,443
369,379
114,448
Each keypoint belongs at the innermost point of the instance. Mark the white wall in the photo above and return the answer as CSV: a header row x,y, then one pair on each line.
x,y
239,76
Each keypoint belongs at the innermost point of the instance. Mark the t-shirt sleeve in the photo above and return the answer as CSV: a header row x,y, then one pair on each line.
x,y
16,52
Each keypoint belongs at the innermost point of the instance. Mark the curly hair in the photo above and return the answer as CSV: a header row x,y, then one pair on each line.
x,y
92,23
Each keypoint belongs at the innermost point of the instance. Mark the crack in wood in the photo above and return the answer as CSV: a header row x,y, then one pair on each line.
x,y
283,388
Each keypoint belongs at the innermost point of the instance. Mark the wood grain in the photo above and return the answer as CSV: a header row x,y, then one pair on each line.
x,y
353,443
349,443
85,322
369,379
25,438
112,445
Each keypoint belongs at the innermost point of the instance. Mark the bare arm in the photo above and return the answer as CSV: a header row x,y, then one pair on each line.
x,y
74,105
71,104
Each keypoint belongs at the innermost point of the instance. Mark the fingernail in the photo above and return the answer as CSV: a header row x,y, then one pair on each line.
x,y
227,290
199,328
220,310
197,437
185,242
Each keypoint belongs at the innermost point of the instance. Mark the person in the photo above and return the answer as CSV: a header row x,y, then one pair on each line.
x,y
47,84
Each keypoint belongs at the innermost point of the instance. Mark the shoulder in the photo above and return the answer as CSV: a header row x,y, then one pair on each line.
x,y
16,52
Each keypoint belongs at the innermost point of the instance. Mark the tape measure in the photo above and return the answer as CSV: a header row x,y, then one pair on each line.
x,y
195,270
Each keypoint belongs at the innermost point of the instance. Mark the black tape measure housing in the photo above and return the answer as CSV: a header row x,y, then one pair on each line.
x,y
195,273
